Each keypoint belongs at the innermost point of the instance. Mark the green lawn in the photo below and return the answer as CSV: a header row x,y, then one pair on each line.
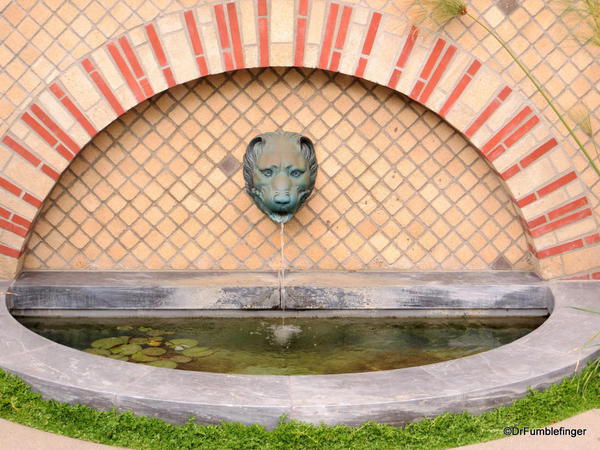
x,y
571,396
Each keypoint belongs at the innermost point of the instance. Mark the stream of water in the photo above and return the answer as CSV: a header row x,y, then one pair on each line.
x,y
282,266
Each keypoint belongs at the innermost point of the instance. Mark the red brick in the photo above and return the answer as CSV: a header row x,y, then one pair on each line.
x,y
488,111
360,69
54,128
156,44
408,47
13,228
343,28
510,172
509,141
101,84
40,130
567,208
328,38
300,42
541,150
540,231
32,200
560,249
371,33
506,129
11,252
19,149
433,57
263,35
303,8
557,184
4,183
125,71
262,7
236,38
437,74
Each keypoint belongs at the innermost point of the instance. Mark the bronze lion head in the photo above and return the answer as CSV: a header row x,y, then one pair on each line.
x,y
280,170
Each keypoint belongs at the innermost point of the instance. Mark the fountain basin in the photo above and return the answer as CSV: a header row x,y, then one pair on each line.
x,y
474,383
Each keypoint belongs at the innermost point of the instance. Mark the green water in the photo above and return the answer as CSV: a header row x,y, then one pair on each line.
x,y
290,346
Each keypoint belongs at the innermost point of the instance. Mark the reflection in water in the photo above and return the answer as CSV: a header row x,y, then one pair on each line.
x,y
296,346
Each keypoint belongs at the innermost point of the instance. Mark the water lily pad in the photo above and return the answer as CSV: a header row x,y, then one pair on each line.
x,y
126,349
109,342
198,352
154,332
181,359
97,351
144,328
185,343
165,363
154,351
139,340
119,357
125,328
155,343
141,357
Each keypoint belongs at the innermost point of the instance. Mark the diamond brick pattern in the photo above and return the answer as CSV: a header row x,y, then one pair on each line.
x,y
162,188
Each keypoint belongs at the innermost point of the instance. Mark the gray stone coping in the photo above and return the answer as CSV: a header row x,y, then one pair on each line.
x,y
474,383
260,291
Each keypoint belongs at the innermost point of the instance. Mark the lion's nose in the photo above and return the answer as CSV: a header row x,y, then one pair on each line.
x,y
282,198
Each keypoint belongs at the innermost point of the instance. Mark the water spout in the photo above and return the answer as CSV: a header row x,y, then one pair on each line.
x,y
282,266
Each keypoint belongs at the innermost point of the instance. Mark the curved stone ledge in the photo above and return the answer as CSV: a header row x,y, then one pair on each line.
x,y
475,383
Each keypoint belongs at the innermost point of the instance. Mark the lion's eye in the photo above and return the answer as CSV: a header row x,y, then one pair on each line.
x,y
267,172
296,173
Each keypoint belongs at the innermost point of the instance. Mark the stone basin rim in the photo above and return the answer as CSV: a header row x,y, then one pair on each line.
x,y
475,383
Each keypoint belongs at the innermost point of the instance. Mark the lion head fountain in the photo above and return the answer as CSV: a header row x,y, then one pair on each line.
x,y
280,170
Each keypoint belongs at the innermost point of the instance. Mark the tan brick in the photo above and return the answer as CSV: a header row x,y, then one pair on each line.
x,y
534,176
203,14
379,67
212,48
481,90
460,63
82,91
29,177
248,22
581,227
415,61
105,65
55,110
45,152
360,15
505,112
522,148
137,36
316,22
8,267
169,24
311,56
581,260
11,240
282,21
251,56
352,48
154,73
281,55
545,204
101,115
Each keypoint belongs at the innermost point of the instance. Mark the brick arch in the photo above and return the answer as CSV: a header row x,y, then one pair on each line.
x,y
517,142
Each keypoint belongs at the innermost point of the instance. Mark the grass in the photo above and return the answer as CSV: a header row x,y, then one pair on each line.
x,y
539,408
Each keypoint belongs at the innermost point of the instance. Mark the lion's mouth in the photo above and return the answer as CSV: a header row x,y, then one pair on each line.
x,y
280,216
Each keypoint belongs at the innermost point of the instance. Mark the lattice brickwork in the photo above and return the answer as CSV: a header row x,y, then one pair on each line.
x,y
162,187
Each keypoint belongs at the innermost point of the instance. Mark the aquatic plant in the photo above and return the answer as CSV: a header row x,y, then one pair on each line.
x,y
436,13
